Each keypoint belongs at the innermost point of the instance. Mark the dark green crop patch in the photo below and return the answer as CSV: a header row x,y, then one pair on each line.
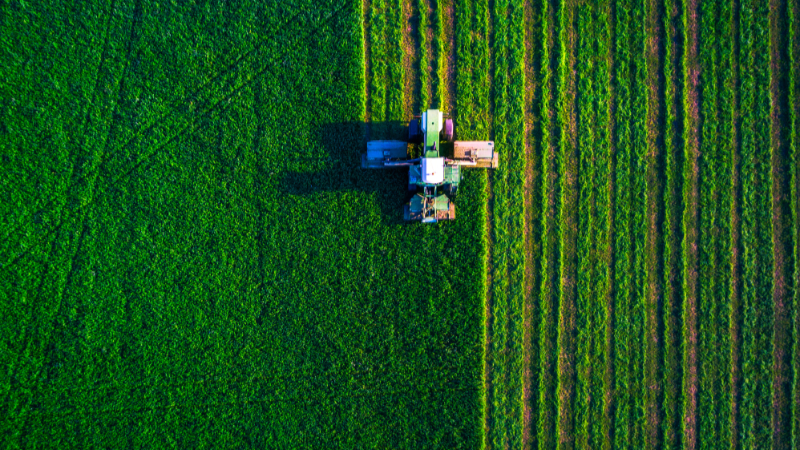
x,y
191,255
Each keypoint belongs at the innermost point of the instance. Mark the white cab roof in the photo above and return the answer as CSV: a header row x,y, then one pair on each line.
x,y
432,170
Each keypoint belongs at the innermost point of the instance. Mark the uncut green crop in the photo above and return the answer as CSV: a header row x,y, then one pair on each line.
x,y
622,248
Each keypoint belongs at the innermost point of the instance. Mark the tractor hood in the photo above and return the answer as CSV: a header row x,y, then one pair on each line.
x,y
432,170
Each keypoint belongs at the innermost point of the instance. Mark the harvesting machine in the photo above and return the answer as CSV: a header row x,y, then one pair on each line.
x,y
431,176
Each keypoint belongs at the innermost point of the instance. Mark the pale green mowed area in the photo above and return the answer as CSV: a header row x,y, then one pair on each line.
x,y
191,256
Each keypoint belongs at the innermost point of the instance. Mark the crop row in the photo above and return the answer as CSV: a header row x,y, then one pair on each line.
x,y
548,350
588,360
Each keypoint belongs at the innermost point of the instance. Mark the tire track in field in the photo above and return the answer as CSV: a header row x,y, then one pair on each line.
x,y
226,99
73,247
781,214
690,222
181,104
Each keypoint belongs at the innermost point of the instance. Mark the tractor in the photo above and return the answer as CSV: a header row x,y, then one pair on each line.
x,y
432,177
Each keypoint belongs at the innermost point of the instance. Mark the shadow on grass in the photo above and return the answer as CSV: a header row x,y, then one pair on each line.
x,y
343,144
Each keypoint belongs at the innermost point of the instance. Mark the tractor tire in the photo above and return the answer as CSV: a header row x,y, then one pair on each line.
x,y
449,130
414,134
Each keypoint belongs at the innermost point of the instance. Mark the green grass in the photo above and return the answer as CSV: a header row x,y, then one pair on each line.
x,y
190,255
213,268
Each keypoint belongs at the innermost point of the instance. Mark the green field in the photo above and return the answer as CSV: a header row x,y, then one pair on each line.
x,y
191,255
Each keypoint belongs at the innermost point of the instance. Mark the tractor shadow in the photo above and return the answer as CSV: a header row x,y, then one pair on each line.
x,y
340,145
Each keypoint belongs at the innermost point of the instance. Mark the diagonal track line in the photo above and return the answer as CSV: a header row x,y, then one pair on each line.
x,y
188,99
224,101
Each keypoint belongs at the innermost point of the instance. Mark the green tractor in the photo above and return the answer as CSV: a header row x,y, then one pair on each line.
x,y
432,176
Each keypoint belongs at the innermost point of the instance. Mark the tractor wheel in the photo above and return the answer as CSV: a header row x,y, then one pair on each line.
x,y
413,131
449,130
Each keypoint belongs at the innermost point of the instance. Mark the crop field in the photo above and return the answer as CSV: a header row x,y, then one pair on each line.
x,y
191,255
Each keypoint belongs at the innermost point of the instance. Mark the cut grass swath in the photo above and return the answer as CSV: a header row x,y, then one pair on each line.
x,y
568,219
708,233
639,225
546,425
724,226
586,307
624,427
